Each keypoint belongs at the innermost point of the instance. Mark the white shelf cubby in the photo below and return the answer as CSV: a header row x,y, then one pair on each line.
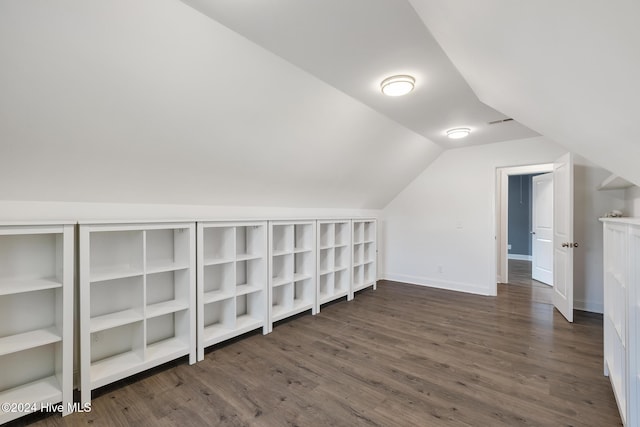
x,y
292,266
333,260
36,317
364,255
137,299
232,279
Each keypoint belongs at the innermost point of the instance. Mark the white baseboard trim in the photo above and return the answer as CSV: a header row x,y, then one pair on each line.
x,y
469,288
520,257
593,307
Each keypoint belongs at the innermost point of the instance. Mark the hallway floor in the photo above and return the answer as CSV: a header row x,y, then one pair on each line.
x,y
520,275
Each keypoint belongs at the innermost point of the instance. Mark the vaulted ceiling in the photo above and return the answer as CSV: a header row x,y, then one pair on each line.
x,y
568,69
353,45
278,102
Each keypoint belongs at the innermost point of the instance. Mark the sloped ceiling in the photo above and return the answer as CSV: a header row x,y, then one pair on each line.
x,y
567,69
353,45
152,102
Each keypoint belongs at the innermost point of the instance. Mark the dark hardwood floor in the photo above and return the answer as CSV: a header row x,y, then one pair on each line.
x,y
520,275
400,356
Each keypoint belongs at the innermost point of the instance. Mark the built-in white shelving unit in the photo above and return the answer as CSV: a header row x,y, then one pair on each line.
x,y
232,280
364,255
333,260
137,299
36,317
622,314
292,277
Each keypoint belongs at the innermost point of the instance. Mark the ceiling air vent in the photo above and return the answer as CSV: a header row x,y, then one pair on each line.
x,y
495,122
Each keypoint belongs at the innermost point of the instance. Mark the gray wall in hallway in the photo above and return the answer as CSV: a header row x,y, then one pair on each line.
x,y
520,214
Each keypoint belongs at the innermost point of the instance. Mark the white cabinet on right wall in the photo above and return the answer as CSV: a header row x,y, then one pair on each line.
x,y
621,321
363,256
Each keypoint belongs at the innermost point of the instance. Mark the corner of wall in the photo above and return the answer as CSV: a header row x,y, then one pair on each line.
x,y
632,201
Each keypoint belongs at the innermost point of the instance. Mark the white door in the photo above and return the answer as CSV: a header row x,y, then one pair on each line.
x,y
542,229
563,243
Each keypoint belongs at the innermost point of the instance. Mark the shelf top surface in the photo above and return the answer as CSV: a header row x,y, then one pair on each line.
x,y
137,222
16,286
23,223
284,220
207,221
39,390
622,220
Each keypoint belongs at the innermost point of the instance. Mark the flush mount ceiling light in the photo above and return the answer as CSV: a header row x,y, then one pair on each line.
x,y
458,133
397,85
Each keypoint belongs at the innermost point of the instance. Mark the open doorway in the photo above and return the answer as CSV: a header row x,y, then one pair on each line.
x,y
530,233
562,240
515,252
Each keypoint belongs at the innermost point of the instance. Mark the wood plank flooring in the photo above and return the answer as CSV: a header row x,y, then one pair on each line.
x,y
402,355
520,275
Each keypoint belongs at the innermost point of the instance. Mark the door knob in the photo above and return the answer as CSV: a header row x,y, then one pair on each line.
x,y
565,245
532,232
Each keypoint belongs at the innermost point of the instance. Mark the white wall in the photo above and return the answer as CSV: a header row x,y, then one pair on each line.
x,y
632,207
11,211
590,205
444,218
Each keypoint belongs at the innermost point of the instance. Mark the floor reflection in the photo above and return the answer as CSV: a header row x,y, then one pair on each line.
x,y
520,275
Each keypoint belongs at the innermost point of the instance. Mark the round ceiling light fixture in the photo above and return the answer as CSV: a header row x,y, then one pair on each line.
x,y
458,133
397,85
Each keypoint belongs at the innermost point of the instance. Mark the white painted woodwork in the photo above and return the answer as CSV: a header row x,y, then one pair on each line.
x,y
36,315
137,299
333,260
614,182
231,281
563,237
622,314
364,256
292,269
542,229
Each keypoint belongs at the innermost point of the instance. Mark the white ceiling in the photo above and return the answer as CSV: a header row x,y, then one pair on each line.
x,y
158,103
353,45
569,69
153,102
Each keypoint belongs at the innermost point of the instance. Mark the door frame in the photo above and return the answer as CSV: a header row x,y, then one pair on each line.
x,y
501,217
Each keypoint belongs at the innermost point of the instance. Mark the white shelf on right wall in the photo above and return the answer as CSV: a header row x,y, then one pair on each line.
x,y
621,317
614,182
363,255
